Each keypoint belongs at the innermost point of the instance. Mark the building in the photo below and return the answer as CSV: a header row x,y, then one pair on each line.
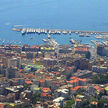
x,y
99,69
49,62
102,50
14,62
62,93
11,73
82,49
59,102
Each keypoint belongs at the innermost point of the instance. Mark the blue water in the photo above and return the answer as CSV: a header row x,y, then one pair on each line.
x,y
58,14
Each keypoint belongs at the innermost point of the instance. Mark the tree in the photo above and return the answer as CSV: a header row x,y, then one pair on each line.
x,y
100,79
69,103
35,97
101,103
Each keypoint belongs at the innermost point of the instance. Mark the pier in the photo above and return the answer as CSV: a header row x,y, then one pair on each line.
x,y
55,31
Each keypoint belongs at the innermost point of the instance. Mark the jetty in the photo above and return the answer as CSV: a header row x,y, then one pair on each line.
x,y
55,31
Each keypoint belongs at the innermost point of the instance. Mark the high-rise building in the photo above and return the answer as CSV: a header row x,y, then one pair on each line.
x,y
5,61
11,72
102,50
14,62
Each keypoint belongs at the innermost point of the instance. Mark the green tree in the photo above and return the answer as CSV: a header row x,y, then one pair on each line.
x,y
35,97
101,103
69,103
100,79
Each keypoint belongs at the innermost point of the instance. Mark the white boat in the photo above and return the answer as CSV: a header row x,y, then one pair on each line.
x,y
101,36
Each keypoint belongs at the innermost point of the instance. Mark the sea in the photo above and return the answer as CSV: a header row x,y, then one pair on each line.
x,y
51,14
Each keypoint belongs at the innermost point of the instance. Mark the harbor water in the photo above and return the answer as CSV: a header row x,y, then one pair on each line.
x,y
88,15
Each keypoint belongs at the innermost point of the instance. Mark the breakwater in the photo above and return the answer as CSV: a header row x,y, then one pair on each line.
x,y
55,31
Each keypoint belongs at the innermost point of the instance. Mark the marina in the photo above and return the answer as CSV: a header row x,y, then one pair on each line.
x,y
101,36
51,42
84,35
95,42
105,43
56,31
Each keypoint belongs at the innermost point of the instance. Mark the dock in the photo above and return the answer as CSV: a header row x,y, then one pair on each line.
x,y
95,42
55,31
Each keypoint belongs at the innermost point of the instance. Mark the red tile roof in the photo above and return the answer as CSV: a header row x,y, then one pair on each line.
x,y
79,70
49,95
29,76
76,88
75,77
49,78
80,49
42,81
84,80
70,68
44,94
2,105
94,103
28,82
20,70
98,88
45,89
57,73
78,100
73,81
35,46
32,75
